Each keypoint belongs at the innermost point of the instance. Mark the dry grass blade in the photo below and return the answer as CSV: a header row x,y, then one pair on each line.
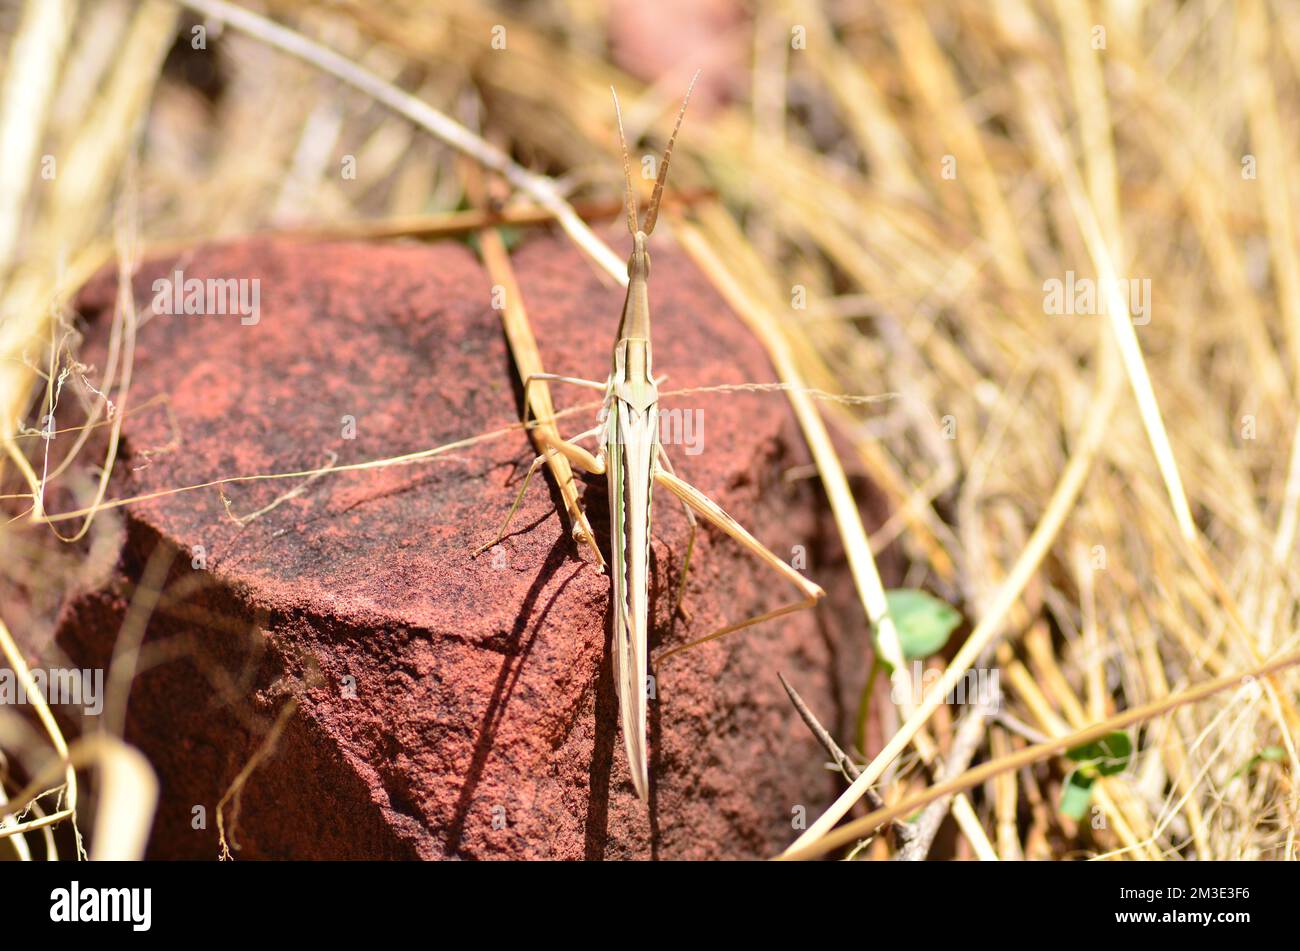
x,y
128,793
29,80
528,363
13,656
422,114
829,467
980,774
991,625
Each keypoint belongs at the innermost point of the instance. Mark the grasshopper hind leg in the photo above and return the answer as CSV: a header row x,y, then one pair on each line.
x,y
711,512
690,542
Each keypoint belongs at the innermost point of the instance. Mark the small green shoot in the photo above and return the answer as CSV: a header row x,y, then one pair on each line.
x,y
924,624
1105,757
1269,754
1076,795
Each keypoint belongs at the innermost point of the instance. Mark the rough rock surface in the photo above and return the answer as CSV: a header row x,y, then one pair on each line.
x,y
443,705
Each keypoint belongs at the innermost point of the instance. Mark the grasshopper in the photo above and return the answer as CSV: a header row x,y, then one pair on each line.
x,y
631,457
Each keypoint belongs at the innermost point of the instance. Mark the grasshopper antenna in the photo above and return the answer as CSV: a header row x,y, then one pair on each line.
x,y
652,215
630,200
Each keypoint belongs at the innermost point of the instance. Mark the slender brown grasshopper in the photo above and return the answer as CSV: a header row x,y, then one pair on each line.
x,y
632,459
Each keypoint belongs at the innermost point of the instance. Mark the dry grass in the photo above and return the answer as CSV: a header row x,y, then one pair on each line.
x,y
1111,500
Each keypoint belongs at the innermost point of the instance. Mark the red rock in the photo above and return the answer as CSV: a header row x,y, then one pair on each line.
x,y
484,722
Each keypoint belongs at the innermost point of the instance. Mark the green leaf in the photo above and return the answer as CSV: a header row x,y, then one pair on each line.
x,y
1076,795
924,623
1104,757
